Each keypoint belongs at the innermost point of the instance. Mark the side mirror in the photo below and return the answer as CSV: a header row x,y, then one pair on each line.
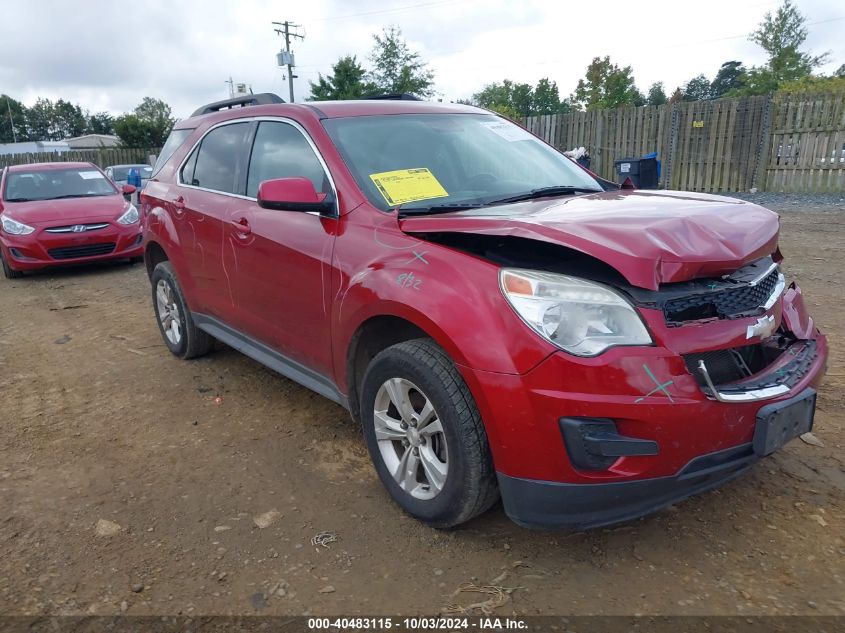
x,y
293,194
128,189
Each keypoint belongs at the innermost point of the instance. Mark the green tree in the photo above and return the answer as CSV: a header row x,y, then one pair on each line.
x,y
813,85
697,89
347,81
147,127
99,123
68,120
546,97
12,120
781,35
730,77
656,94
605,85
396,68
840,72
39,120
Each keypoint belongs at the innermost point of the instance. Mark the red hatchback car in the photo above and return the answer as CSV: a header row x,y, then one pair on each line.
x,y
501,322
64,213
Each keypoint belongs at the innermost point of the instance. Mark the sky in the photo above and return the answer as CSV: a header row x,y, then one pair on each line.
x,y
107,56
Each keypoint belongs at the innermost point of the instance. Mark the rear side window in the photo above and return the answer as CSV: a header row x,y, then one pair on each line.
x,y
173,142
217,159
281,151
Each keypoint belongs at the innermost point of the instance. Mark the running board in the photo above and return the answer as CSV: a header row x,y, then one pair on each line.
x,y
271,358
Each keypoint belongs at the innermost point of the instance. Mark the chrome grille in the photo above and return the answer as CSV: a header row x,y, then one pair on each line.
x,y
77,228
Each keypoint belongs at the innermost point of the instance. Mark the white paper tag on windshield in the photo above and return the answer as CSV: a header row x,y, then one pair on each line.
x,y
508,131
90,175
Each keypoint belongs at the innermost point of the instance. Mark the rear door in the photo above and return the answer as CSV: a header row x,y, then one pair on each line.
x,y
210,183
283,258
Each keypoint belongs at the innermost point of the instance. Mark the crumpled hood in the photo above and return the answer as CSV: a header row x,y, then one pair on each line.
x,y
90,209
650,237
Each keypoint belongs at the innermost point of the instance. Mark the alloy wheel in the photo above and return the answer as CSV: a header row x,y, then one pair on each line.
x,y
410,438
168,312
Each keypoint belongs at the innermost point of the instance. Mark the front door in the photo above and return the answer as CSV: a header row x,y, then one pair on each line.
x,y
283,258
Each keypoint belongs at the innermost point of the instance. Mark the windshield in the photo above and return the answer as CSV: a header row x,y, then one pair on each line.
x,y
122,172
426,160
51,184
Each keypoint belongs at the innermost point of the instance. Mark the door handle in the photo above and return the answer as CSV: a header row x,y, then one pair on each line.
x,y
242,227
179,203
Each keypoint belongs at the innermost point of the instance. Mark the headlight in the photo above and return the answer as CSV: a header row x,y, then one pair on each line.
x,y
579,316
13,227
130,216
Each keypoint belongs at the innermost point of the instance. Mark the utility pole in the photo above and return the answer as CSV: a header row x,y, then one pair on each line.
x,y
285,58
11,121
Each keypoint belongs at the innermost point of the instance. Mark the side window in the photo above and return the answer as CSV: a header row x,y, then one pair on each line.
x,y
281,151
187,173
217,158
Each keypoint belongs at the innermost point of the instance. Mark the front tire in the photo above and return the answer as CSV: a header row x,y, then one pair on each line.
x,y
175,322
8,271
425,435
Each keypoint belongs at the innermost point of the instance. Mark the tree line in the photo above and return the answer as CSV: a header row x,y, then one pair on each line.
x,y
146,126
781,35
395,68
788,68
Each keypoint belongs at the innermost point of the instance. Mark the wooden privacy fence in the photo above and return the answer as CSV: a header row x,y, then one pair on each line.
x,y
101,157
773,143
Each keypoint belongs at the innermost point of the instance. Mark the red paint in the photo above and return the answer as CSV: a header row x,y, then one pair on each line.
x,y
31,251
297,190
304,284
650,237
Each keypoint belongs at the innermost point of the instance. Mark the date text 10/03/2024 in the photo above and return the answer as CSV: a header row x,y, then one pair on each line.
x,y
417,624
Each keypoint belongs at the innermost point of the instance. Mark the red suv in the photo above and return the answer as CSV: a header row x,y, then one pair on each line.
x,y
499,320
64,213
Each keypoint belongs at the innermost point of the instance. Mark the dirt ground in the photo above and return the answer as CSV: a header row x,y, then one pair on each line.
x,y
133,482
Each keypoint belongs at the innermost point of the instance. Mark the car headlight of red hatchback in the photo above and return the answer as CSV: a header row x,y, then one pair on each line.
x,y
581,317
13,227
130,216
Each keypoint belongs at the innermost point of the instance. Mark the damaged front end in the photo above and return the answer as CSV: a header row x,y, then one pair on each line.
x,y
779,346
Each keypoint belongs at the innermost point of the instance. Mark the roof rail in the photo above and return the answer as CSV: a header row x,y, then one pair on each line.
x,y
395,96
263,98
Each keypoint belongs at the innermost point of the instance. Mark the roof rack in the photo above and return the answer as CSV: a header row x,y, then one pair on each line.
x,y
263,98
395,96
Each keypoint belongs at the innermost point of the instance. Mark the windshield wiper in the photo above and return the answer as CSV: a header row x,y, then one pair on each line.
x,y
442,208
77,195
19,199
544,192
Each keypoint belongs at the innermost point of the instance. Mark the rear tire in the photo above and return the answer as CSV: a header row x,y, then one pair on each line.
x,y
431,451
175,322
8,271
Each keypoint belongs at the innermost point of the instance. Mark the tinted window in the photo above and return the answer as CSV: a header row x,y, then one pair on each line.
x,y
187,173
51,184
217,160
281,151
176,138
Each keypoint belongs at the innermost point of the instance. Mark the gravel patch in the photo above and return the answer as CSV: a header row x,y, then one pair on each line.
x,y
794,201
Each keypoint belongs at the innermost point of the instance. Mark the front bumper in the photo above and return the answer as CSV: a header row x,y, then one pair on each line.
x,y
649,394
42,249
548,504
